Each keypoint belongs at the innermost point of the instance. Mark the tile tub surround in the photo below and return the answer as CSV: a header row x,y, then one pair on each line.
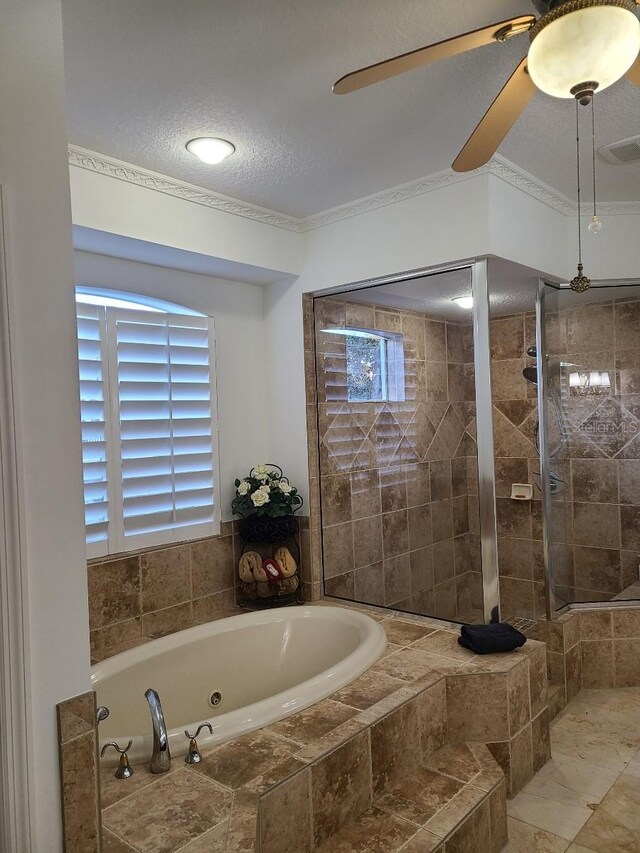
x,y
592,649
397,479
79,773
134,598
585,800
421,697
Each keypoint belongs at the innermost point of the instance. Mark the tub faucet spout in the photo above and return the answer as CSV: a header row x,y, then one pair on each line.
x,y
161,758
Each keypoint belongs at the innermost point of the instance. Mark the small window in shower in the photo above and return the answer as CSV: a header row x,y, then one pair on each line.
x,y
375,365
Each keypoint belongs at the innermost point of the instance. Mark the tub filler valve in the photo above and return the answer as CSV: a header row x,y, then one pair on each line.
x,y
193,754
161,757
125,770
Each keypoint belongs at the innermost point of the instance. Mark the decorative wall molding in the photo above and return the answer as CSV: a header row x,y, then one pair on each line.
x,y
532,186
619,208
498,167
93,162
385,197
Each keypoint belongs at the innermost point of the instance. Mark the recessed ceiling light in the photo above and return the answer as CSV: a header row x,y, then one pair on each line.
x,y
210,150
464,301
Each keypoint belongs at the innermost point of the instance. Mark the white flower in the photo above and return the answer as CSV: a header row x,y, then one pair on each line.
x,y
243,488
260,472
260,498
265,488
285,487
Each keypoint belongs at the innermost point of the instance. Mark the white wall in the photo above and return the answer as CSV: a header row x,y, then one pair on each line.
x,y
524,230
613,253
35,184
108,204
238,312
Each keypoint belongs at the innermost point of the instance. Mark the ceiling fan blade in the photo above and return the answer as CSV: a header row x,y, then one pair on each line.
x,y
425,55
633,73
497,121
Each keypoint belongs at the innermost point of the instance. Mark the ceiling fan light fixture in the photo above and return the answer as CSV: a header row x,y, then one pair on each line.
x,y
583,40
210,149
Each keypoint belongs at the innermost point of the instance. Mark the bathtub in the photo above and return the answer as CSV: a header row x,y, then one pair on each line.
x,y
238,673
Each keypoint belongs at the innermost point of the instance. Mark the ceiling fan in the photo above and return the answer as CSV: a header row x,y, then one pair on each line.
x,y
576,47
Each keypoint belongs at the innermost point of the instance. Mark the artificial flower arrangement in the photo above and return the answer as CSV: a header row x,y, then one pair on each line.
x,y
266,491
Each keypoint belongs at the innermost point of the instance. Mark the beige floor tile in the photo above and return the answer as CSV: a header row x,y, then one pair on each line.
x,y
572,780
582,738
578,848
623,726
524,838
558,818
615,825
633,767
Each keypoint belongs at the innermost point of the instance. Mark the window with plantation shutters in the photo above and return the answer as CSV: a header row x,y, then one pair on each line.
x,y
148,427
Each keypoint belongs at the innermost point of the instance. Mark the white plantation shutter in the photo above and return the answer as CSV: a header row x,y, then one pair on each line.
x,y
161,445
93,397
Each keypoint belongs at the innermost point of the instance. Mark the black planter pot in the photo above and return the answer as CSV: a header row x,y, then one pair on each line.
x,y
264,528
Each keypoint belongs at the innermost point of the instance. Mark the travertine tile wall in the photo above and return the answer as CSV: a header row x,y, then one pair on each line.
x,y
77,738
520,556
148,594
398,485
136,597
592,649
598,512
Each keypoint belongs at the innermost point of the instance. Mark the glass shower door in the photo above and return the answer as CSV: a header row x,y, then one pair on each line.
x,y
395,383
591,402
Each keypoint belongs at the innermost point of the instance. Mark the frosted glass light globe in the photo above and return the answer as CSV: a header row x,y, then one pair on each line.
x,y
209,149
595,226
597,43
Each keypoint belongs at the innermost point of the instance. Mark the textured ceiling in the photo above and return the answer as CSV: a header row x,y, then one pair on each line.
x,y
144,77
512,289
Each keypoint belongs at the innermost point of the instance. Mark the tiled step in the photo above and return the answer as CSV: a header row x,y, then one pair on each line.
x,y
456,801
557,699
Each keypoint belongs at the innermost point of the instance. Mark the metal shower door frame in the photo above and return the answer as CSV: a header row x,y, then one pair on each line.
x,y
543,450
485,455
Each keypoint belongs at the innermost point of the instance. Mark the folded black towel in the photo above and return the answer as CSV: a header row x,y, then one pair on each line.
x,y
485,639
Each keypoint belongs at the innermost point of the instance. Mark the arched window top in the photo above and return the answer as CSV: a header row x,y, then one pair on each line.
x,y
132,301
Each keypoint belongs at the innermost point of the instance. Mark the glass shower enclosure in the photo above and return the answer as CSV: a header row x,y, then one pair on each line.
x,y
405,437
590,445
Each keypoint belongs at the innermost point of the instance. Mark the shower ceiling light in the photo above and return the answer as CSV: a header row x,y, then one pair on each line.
x,y
210,150
464,301
588,43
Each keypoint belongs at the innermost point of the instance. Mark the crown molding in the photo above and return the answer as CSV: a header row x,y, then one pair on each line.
x,y
385,197
93,162
619,208
527,183
498,167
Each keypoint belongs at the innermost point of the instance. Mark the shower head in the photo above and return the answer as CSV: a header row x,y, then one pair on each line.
x,y
531,374
532,352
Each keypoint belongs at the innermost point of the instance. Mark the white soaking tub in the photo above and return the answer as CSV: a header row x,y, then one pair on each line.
x,y
265,666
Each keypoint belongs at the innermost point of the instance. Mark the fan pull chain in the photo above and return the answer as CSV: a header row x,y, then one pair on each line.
x,y
595,226
580,283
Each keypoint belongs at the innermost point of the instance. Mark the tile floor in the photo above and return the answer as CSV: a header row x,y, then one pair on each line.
x,y
587,798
